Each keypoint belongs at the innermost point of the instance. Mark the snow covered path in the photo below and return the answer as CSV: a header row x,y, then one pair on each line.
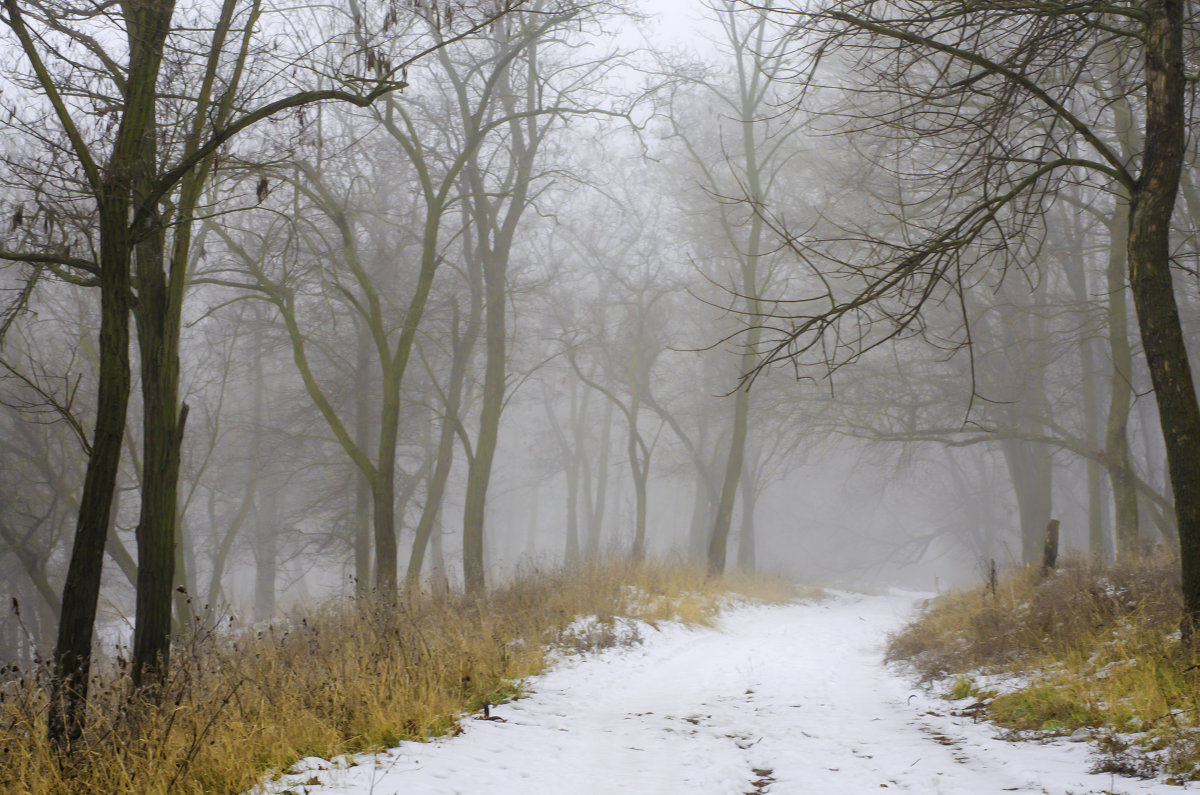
x,y
780,699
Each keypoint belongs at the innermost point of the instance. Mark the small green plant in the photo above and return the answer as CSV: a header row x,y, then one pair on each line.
x,y
964,687
1044,708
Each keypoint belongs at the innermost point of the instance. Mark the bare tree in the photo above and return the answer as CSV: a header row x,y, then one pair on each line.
x,y
121,170
740,178
1000,84
519,87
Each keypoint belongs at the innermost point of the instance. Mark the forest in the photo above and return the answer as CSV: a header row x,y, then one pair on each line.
x,y
384,301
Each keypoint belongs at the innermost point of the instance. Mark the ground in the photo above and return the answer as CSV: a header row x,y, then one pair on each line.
x,y
775,699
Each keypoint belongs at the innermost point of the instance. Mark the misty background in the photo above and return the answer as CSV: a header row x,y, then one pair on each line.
x,y
554,279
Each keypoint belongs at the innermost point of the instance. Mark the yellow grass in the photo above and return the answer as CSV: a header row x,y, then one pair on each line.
x,y
340,678
1098,648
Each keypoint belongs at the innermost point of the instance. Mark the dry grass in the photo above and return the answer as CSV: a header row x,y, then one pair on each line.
x,y
341,678
1095,647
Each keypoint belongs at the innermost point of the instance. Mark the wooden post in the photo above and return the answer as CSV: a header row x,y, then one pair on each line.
x,y
1050,551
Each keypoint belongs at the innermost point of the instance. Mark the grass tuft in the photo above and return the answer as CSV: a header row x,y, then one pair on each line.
x,y
341,678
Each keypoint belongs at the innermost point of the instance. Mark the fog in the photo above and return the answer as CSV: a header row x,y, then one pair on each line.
x,y
589,286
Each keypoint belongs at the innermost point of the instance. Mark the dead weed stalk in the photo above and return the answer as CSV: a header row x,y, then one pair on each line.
x,y
337,678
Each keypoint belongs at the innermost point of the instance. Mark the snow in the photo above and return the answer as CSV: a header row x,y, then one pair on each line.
x,y
775,699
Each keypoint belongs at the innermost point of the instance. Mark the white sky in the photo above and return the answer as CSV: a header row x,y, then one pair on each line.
x,y
676,22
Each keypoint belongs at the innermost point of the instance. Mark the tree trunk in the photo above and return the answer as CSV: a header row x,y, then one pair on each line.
x,y
719,540
641,471
1116,445
261,501
362,484
1031,468
1076,272
570,453
753,76
383,494
158,344
746,541
596,499
81,590
574,453
185,565
495,220
703,507
480,472
571,550
220,557
148,23
266,554
440,477
1152,204
1050,548
439,583
162,555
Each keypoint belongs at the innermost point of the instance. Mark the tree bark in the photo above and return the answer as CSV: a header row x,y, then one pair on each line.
x,y
81,590
596,496
383,489
158,344
161,279
733,469
747,543
753,77
1077,278
1050,548
640,466
495,221
1030,468
428,523
575,452
1152,204
480,471
266,553
148,22
1116,444
703,508
362,484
